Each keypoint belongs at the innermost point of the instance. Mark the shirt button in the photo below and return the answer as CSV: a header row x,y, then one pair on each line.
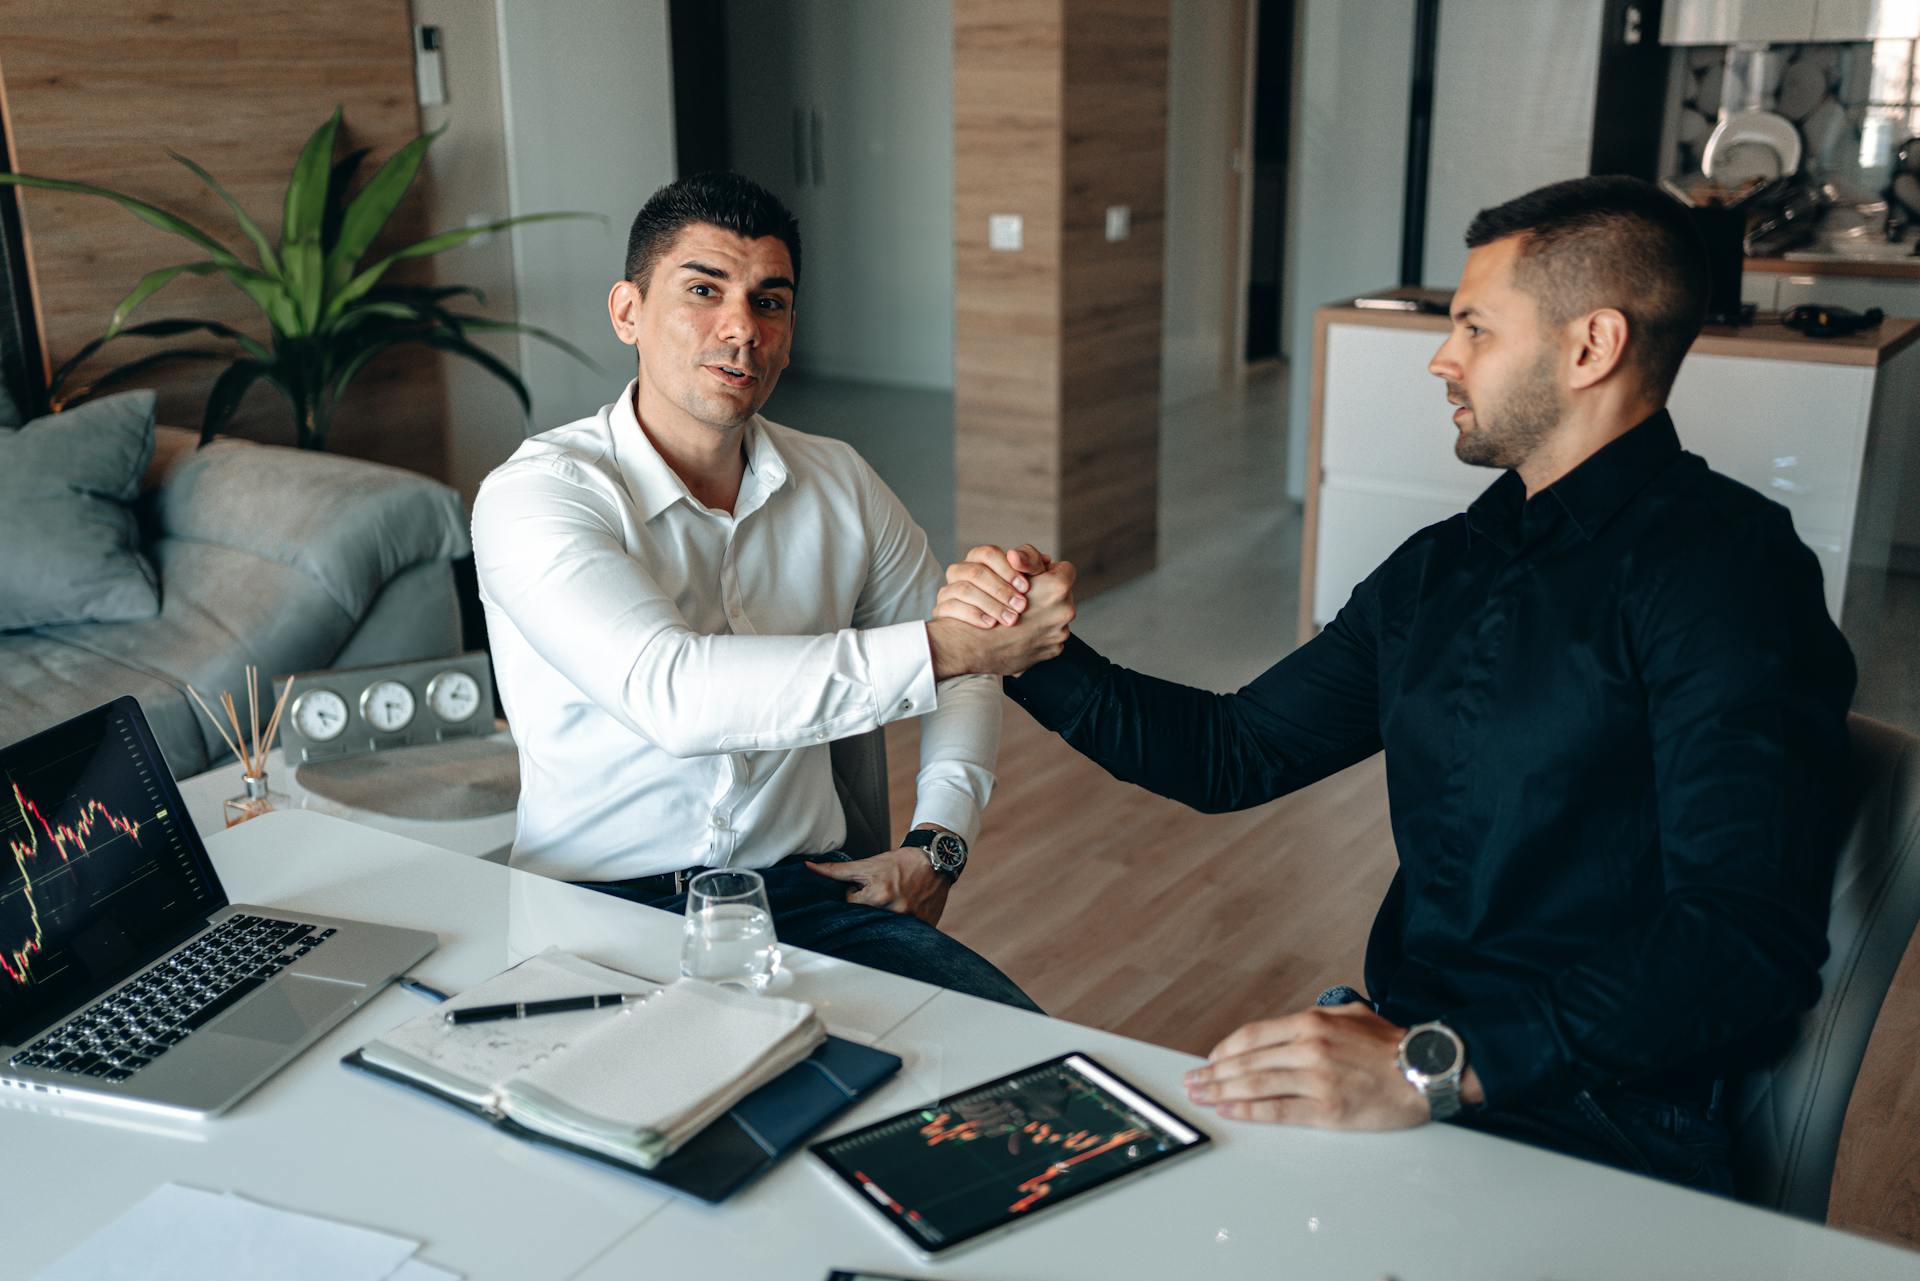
x,y
719,823
906,705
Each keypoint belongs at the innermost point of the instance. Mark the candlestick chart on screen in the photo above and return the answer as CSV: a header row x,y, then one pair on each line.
x,y
1006,1150
50,837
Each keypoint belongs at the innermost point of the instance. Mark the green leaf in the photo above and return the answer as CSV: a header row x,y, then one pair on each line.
x,y
114,377
306,280
228,391
159,329
481,324
337,183
149,214
248,226
445,240
375,204
307,189
150,284
358,362
483,358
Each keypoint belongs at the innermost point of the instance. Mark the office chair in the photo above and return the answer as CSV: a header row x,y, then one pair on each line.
x,y
860,779
1787,1116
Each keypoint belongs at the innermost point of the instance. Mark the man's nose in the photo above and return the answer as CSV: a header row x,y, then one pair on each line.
x,y
1443,366
740,324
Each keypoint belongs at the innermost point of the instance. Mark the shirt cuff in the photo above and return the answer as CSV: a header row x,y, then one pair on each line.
x,y
951,807
900,668
1057,691
1512,1047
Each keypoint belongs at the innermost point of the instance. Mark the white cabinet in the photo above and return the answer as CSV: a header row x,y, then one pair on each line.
x,y
1797,431
1867,20
1736,21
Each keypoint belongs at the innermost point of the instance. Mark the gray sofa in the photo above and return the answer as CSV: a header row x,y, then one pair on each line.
x,y
286,559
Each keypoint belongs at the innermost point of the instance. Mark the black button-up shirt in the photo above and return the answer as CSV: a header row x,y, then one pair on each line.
x,y
1615,724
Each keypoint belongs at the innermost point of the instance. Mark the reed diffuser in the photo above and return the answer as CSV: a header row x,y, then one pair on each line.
x,y
250,751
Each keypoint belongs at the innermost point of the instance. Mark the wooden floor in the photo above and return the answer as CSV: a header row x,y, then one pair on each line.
x,y
1118,909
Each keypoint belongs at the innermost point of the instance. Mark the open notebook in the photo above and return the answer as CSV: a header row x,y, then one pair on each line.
x,y
695,1087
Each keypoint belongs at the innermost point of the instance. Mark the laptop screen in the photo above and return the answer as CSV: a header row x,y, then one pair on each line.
x,y
100,870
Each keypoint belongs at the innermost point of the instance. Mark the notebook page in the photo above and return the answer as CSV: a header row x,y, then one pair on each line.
x,y
471,1061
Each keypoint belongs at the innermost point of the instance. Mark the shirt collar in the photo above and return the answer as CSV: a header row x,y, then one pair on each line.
x,y
1590,495
655,486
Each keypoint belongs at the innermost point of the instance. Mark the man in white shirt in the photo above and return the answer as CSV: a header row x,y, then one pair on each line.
x,y
686,603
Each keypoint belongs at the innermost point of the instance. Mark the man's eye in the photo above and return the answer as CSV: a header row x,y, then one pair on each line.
x,y
1475,331
702,290
773,304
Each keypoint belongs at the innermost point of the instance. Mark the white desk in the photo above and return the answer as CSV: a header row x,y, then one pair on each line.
x,y
1424,1205
489,837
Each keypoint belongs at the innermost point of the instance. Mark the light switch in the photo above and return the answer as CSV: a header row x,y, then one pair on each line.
x,y
1005,232
429,74
1119,222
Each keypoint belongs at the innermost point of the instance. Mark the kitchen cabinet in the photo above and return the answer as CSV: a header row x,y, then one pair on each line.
x,y
1830,429
1737,21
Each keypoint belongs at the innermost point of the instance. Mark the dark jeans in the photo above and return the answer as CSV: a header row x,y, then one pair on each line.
x,y
1684,1143
811,911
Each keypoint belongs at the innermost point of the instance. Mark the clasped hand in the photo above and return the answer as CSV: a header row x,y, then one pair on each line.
x,y
1001,612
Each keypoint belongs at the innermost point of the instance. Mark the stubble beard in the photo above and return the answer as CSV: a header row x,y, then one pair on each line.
x,y
1509,431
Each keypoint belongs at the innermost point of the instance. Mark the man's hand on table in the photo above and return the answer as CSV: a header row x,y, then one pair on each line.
x,y
900,880
1001,612
1332,1067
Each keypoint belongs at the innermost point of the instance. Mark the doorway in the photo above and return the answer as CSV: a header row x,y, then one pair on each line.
x,y
1271,122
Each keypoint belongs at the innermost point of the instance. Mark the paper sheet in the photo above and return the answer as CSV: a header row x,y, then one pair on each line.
x,y
184,1234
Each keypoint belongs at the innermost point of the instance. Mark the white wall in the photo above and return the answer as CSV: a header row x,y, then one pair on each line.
x,y
1512,110
466,181
1353,70
876,289
1201,263
588,106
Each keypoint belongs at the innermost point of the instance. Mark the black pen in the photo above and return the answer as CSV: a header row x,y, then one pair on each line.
x,y
526,1009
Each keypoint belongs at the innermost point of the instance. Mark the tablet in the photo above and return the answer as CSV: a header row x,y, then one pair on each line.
x,y
1004,1152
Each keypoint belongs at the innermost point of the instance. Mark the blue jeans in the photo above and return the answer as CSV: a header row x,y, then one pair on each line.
x,y
1678,1142
811,911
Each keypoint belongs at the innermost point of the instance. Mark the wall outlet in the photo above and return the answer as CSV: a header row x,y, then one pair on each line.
x,y
1006,232
1119,222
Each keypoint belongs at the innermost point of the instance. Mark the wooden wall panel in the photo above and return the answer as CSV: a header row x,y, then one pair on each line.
x,y
100,92
1060,111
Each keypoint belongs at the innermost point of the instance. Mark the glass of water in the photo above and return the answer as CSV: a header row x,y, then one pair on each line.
x,y
729,933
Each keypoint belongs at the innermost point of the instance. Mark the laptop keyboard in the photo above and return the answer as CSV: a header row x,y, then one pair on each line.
x,y
143,1020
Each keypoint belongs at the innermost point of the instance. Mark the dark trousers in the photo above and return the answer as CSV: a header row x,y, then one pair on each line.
x,y
811,911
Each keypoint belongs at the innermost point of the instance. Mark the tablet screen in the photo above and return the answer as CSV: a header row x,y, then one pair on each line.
x,y
1005,1150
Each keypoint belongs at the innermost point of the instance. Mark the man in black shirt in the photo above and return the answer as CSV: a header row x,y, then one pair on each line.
x,y
1613,709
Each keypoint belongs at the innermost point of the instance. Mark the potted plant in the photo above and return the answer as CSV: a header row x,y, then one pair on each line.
x,y
328,312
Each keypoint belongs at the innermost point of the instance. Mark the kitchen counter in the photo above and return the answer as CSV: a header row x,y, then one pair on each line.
x,y
1766,340
1907,268
1827,427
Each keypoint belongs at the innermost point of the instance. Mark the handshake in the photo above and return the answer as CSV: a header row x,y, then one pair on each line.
x,y
1000,612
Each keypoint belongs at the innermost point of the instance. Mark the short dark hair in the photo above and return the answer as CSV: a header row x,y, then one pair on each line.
x,y
1609,242
723,199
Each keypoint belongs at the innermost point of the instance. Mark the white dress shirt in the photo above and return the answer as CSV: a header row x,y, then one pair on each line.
x,y
673,674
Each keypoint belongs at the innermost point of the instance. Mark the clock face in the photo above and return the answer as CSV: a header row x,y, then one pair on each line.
x,y
320,714
453,696
387,706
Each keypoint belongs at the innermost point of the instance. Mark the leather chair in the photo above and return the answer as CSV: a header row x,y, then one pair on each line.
x,y
1787,1117
860,778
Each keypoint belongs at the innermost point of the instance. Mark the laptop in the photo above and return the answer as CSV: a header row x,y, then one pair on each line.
x,y
126,977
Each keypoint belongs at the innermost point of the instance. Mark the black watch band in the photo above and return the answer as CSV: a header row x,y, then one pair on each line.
x,y
946,852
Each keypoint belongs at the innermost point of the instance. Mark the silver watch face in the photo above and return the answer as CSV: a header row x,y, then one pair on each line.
x,y
948,853
1432,1053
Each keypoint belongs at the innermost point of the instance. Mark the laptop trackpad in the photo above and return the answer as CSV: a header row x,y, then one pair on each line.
x,y
285,1011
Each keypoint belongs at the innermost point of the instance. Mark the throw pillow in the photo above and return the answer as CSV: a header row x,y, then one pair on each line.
x,y
70,541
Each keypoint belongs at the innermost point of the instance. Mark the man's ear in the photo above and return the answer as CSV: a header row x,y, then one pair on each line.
x,y
623,309
1600,346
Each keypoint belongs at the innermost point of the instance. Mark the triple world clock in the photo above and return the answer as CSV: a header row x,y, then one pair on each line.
x,y
346,711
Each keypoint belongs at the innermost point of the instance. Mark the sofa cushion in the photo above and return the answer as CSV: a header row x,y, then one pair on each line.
x,y
66,482
44,681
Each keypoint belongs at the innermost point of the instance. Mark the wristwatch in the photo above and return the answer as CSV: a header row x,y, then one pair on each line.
x,y
947,852
1433,1059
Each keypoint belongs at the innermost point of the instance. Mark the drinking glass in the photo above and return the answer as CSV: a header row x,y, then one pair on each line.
x,y
729,932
